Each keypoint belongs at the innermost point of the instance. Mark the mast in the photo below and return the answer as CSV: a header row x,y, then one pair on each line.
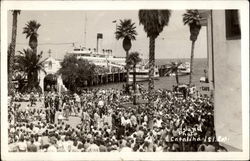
x,y
85,30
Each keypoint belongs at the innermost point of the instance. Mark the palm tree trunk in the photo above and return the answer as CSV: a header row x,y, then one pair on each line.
x,y
127,68
33,43
134,80
36,43
151,69
177,77
12,49
191,63
30,79
35,50
36,83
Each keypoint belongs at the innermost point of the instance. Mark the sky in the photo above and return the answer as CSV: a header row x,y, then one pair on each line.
x,y
60,29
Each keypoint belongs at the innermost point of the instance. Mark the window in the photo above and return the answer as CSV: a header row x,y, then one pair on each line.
x,y
232,25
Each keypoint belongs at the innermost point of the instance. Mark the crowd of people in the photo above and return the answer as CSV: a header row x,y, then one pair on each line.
x,y
177,120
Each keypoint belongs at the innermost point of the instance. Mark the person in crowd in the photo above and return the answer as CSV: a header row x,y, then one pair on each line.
x,y
44,140
60,117
21,145
93,146
32,147
52,146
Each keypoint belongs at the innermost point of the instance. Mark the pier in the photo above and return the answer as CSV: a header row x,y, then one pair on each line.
x,y
111,77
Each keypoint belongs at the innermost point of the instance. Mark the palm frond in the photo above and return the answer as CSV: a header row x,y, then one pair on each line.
x,y
126,29
30,63
191,17
31,28
133,58
154,21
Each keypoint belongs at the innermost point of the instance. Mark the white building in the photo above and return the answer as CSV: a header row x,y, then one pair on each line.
x,y
224,60
51,66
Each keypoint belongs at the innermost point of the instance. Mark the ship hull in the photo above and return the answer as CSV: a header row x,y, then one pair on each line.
x,y
142,75
142,79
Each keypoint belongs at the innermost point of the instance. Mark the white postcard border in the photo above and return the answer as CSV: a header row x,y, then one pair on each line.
x,y
128,5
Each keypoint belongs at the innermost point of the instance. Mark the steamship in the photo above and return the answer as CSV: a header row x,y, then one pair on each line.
x,y
98,56
103,59
141,73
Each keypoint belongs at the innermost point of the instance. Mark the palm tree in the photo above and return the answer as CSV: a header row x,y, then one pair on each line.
x,y
153,21
126,31
192,18
10,58
12,47
132,60
31,64
31,32
174,69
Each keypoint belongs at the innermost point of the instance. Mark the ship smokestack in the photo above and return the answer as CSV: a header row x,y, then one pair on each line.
x,y
99,42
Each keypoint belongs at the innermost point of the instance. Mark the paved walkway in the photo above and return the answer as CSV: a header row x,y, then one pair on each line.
x,y
73,120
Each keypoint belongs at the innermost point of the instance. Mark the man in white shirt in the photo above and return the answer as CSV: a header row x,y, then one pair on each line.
x,y
52,147
127,148
133,120
158,122
35,130
22,146
93,147
66,144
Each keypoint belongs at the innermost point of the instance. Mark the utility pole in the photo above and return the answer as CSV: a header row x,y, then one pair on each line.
x,y
49,52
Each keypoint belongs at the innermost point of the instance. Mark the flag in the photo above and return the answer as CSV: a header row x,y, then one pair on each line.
x,y
99,36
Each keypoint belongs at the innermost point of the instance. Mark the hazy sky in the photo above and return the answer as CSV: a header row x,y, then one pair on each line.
x,y
68,26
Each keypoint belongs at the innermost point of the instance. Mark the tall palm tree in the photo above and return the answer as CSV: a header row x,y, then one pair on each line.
x,y
31,32
153,21
31,64
10,58
126,31
192,18
12,47
132,60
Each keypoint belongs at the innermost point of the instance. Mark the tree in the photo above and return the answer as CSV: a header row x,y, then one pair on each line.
x,y
21,79
126,31
153,21
19,75
174,69
11,52
31,63
192,18
10,58
31,32
132,60
76,71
